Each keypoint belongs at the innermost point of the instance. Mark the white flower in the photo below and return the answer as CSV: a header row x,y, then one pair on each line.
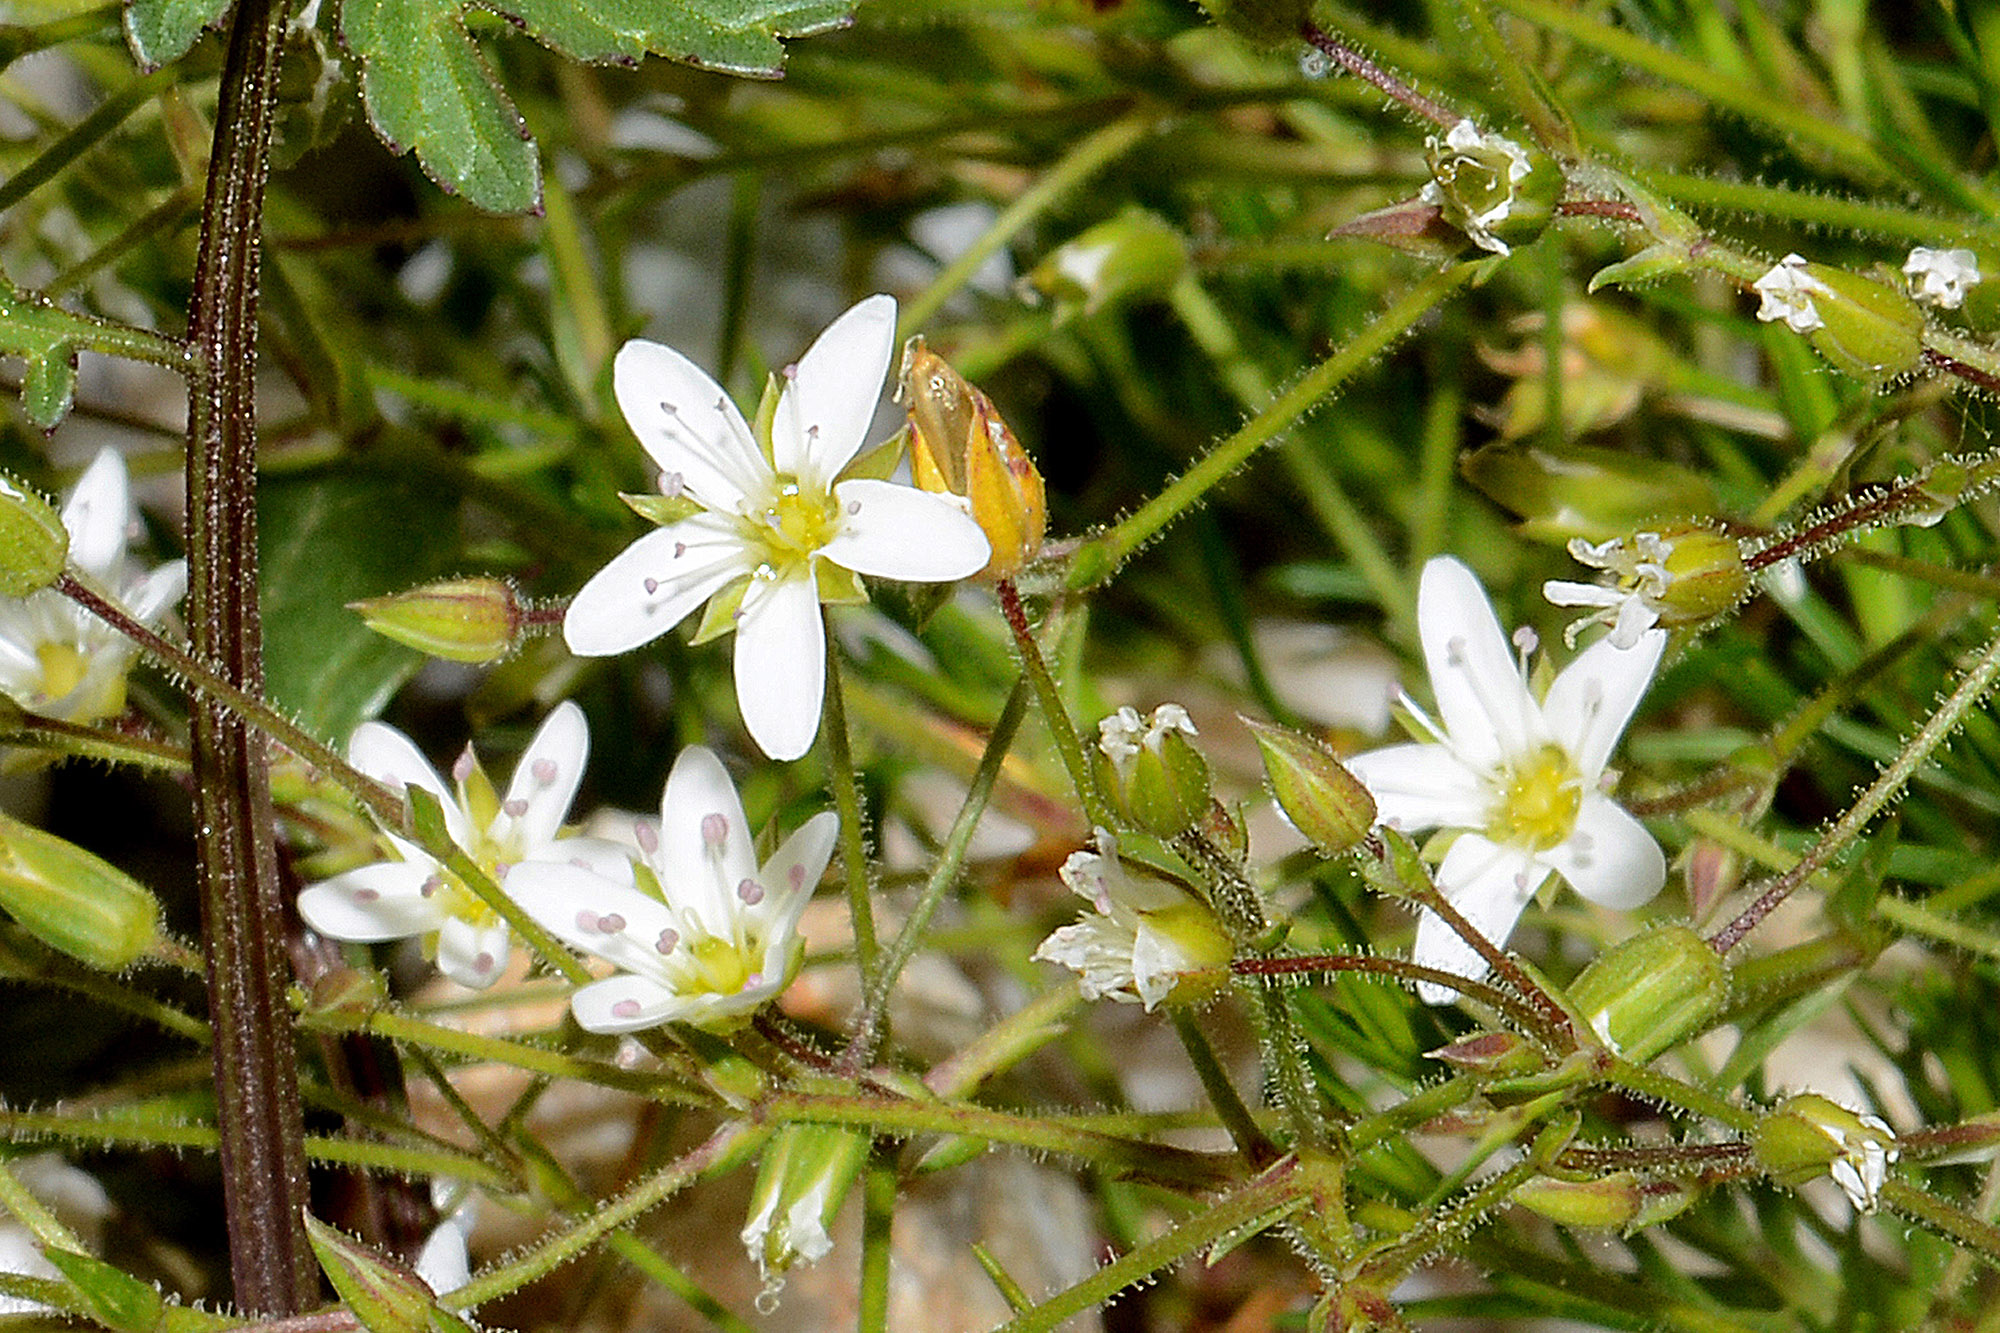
x,y
1521,778
707,937
775,523
1466,143
1941,277
1787,292
1123,734
1631,608
77,1200
1143,936
1862,1167
413,895
445,1262
58,659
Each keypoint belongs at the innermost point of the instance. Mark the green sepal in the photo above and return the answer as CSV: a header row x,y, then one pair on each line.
x,y
879,463
1649,265
74,901
34,544
719,616
838,585
111,1296
767,413
662,509
384,1296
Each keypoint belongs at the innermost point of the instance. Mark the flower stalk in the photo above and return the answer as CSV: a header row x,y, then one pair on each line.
x,y
256,1078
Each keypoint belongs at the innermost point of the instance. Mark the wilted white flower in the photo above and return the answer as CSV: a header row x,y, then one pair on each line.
x,y
774,528
1520,777
1941,277
706,937
1862,1167
413,895
1123,734
1788,292
1678,576
1142,936
1476,180
58,659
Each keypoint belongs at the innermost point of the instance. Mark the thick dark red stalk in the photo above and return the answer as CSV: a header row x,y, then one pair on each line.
x,y
256,1078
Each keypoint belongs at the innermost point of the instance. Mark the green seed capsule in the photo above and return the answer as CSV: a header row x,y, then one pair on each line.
x,y
74,901
461,620
1653,991
1322,799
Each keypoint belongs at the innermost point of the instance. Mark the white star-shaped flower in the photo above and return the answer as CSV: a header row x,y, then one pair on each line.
x,y
58,659
706,937
1520,777
1143,936
1941,277
773,518
413,895
1788,292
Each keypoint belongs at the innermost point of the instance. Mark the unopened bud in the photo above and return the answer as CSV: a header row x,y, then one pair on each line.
x,y
1498,192
1808,1135
74,901
1134,255
804,1178
34,544
462,620
1497,1053
1651,992
1621,1200
1318,795
1582,490
960,445
1152,771
1265,21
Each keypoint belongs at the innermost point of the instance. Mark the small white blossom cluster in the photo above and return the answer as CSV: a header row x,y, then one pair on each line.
x,y
1941,277
1787,293
1123,734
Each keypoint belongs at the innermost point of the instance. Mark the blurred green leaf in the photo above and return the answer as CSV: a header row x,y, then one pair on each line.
x,y
428,88
327,541
161,31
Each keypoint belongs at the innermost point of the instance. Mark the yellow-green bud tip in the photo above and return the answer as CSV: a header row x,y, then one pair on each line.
x,y
462,620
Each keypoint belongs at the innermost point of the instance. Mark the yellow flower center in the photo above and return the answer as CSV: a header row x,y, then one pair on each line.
x,y
63,668
1539,799
719,966
795,524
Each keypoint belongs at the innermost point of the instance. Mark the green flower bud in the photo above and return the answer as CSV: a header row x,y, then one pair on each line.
x,y
1652,992
1499,193
1864,328
1155,777
1132,256
1498,1053
1321,798
34,544
1265,21
461,620
73,901
1622,1200
1808,1135
1870,329
802,1181
1584,491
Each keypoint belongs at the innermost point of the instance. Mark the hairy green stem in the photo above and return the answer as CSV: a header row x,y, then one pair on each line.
x,y
1251,1141
1097,559
256,1076
840,775
1971,688
944,873
1061,727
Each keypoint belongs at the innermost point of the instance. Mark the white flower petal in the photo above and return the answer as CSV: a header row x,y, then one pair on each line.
x,y
823,417
1490,886
625,1003
387,755
1481,697
545,779
685,421
99,514
781,665
372,903
443,1264
1589,704
1562,593
149,596
654,583
1609,857
892,531
700,874
585,911
795,869
473,956
1420,787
